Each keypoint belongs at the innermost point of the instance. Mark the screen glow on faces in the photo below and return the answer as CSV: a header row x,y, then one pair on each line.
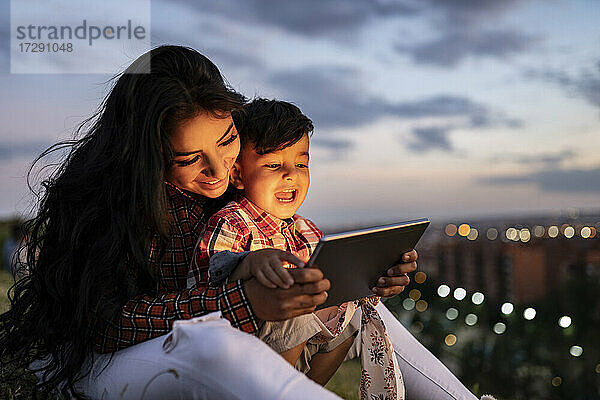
x,y
205,149
276,182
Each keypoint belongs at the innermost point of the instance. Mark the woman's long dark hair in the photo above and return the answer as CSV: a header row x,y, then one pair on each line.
x,y
99,209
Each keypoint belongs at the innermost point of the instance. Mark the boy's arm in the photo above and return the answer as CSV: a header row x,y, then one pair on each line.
x,y
221,248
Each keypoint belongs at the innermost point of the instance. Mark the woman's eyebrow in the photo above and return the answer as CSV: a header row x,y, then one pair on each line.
x,y
189,153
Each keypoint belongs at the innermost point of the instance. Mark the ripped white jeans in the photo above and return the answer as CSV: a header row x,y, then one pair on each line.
x,y
206,358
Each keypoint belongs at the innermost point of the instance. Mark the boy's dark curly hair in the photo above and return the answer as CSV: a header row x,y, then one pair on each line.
x,y
271,125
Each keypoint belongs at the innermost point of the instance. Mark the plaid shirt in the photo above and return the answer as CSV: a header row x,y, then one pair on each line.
x,y
150,315
241,226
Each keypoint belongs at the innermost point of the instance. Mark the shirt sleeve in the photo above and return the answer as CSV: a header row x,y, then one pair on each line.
x,y
146,317
222,234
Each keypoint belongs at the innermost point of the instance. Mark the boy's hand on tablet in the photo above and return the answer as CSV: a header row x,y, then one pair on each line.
x,y
308,291
266,265
397,278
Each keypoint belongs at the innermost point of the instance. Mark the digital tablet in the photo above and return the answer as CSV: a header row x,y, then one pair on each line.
x,y
354,261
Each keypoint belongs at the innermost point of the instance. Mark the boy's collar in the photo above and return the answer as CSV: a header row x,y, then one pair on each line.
x,y
266,222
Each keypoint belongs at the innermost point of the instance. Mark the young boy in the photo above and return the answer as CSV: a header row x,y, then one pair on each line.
x,y
272,177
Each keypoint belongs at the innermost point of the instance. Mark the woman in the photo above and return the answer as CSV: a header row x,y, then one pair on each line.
x,y
112,240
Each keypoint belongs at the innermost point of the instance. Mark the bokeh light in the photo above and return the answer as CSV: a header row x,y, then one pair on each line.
x,y
576,351
477,298
529,313
420,277
464,229
569,232
492,233
585,232
473,233
564,321
408,304
556,381
450,230
471,319
460,293
417,327
415,294
421,305
507,308
443,290
450,340
524,235
511,234
499,328
538,231
452,313
553,231
598,368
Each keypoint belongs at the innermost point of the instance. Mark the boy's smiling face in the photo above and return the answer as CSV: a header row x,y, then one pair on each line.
x,y
276,182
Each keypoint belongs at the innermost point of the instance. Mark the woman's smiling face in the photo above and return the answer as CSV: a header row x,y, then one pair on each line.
x,y
205,149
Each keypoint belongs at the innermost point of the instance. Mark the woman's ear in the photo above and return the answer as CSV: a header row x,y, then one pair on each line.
x,y
235,176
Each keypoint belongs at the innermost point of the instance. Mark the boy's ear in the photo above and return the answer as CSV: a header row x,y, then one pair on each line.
x,y
235,176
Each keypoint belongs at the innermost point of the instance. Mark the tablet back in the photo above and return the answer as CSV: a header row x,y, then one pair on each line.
x,y
354,261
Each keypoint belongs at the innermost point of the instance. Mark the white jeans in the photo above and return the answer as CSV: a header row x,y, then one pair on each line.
x,y
206,358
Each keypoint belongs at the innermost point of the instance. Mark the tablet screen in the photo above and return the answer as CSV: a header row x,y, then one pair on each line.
x,y
353,261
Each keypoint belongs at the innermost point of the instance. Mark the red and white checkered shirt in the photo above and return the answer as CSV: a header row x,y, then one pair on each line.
x,y
150,315
241,226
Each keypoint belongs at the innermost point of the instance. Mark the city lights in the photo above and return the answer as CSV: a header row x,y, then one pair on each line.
x,y
553,231
464,229
450,340
421,305
451,230
538,231
477,298
443,290
420,277
492,234
460,293
415,294
569,232
576,351
408,304
529,313
499,328
564,321
452,313
507,308
556,381
585,232
417,327
511,234
472,234
471,319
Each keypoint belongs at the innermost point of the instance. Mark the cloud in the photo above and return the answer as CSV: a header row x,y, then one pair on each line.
x,y
551,159
464,31
586,84
307,17
10,151
332,144
451,48
334,98
429,138
555,180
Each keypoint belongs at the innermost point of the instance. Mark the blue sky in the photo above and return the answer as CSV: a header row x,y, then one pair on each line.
x,y
439,108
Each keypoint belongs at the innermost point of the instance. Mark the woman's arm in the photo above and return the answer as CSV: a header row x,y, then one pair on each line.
x,y
146,317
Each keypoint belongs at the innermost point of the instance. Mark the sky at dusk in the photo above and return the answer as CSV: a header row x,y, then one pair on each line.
x,y
422,108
